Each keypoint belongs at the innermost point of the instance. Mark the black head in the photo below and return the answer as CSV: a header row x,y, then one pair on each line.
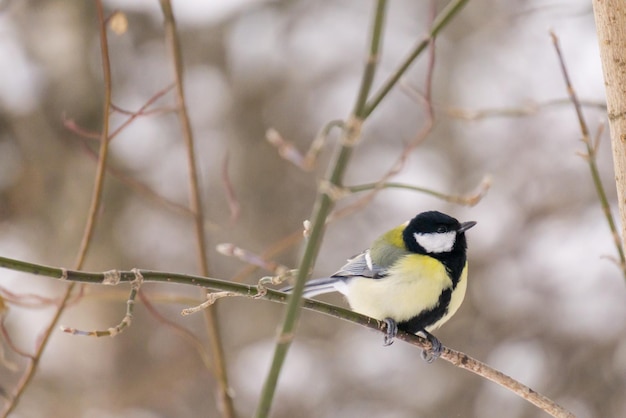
x,y
436,234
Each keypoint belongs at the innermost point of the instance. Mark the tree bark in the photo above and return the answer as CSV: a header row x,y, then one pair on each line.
x,y
610,16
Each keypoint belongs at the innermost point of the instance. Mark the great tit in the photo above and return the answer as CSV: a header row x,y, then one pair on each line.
x,y
413,277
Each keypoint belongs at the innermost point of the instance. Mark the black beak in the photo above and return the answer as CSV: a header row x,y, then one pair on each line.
x,y
465,226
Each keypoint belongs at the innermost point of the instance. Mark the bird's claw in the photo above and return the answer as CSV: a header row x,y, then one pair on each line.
x,y
436,348
430,355
390,332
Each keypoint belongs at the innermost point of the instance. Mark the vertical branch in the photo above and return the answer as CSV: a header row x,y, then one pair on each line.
x,y
104,143
610,16
323,206
372,60
219,365
419,137
590,157
91,218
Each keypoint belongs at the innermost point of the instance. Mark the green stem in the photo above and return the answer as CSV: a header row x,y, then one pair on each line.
x,y
440,22
372,60
324,204
591,158
322,209
394,185
452,356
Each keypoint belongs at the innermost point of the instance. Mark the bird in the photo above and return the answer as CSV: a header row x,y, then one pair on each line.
x,y
413,277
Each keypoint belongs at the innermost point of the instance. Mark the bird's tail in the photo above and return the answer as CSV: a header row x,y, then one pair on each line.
x,y
316,287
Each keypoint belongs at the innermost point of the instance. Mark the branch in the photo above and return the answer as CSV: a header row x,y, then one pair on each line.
x,y
457,358
325,202
219,367
590,157
528,109
256,261
449,12
91,218
467,200
287,150
323,206
187,335
421,136
132,183
125,322
611,27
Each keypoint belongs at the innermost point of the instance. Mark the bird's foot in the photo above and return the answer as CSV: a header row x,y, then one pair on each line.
x,y
435,351
390,332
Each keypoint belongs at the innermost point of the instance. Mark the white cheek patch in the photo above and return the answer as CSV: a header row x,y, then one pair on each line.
x,y
436,243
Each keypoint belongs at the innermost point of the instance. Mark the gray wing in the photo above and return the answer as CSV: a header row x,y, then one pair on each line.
x,y
358,266
361,266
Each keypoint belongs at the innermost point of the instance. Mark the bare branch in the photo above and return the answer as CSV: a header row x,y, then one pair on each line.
x,y
229,288
590,157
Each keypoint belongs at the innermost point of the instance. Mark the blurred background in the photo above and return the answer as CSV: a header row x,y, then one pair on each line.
x,y
545,303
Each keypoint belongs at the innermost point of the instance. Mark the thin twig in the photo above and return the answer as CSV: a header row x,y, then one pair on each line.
x,y
457,358
135,185
103,154
310,158
278,247
292,239
406,152
187,335
151,112
444,17
232,250
126,320
468,200
542,402
428,84
142,189
28,300
91,219
324,204
141,112
591,157
287,149
219,363
295,237
529,109
9,341
71,125
231,196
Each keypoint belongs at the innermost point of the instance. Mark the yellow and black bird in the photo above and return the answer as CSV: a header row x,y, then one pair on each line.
x,y
413,277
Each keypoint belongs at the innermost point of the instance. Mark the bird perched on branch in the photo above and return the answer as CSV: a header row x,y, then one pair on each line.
x,y
413,277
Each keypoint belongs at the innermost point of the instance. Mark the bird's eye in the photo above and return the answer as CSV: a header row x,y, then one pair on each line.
x,y
442,230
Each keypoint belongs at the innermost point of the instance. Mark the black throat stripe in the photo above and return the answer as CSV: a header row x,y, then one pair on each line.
x,y
429,317
454,264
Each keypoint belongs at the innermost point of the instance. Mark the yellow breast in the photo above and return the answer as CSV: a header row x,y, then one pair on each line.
x,y
411,286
